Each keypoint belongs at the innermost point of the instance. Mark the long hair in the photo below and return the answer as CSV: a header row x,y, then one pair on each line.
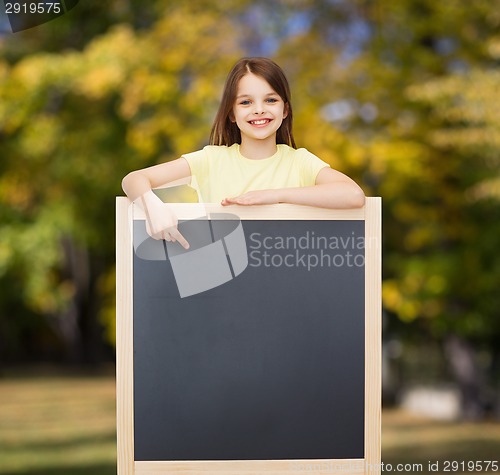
x,y
226,132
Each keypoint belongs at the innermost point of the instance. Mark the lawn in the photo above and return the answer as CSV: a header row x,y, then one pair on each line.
x,y
65,425
57,425
415,440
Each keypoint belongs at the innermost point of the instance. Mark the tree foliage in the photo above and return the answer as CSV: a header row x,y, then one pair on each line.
x,y
73,124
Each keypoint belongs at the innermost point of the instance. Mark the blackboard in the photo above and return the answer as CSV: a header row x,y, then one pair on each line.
x,y
271,365
267,366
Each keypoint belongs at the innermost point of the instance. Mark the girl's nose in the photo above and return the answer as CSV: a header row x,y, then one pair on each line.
x,y
259,109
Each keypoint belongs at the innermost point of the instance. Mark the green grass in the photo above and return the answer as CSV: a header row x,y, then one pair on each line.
x,y
58,426
410,439
65,425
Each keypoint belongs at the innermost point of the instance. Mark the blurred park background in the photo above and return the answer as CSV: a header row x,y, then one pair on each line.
x,y
403,96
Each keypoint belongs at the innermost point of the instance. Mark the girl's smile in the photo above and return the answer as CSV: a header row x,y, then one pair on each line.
x,y
260,122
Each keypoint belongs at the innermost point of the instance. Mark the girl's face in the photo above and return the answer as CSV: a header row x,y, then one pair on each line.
x,y
258,110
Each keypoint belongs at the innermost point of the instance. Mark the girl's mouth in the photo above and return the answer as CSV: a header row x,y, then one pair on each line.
x,y
259,122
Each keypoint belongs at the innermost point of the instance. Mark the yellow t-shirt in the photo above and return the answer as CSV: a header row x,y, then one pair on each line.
x,y
222,172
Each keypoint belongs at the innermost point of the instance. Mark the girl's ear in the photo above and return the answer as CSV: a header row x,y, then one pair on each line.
x,y
231,117
285,111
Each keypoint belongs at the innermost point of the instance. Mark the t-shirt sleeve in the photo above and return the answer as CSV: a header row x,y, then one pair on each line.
x,y
310,165
198,163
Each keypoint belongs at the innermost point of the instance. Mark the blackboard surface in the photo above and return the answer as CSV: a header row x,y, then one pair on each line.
x,y
267,366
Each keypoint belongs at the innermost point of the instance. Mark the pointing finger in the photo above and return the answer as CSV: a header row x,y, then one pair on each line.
x,y
177,236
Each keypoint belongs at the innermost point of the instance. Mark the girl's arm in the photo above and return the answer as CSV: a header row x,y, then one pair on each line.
x,y
161,222
333,189
139,182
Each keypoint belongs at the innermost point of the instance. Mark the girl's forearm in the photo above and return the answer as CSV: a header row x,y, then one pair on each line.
x,y
135,185
139,182
337,195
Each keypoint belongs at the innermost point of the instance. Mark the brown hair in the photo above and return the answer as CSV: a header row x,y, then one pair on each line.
x,y
226,132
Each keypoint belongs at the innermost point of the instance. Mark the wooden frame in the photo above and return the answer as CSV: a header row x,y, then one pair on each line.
x,y
370,464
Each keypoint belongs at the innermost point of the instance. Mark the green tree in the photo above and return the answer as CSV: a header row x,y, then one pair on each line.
x,y
403,97
436,165
73,124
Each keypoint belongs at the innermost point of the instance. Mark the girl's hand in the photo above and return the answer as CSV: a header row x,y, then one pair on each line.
x,y
258,197
164,226
161,221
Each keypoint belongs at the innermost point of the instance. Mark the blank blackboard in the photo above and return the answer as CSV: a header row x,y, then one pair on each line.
x,y
271,365
267,366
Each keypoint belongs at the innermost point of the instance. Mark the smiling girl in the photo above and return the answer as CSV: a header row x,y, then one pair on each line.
x,y
252,158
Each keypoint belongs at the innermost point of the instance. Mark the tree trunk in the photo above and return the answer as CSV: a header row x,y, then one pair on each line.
x,y
462,360
78,324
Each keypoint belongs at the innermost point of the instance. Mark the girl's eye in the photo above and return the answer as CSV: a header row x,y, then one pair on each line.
x,y
272,100
245,103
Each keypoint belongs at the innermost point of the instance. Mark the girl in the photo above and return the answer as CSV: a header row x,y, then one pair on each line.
x,y
252,158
